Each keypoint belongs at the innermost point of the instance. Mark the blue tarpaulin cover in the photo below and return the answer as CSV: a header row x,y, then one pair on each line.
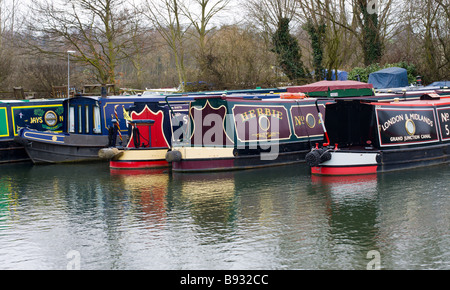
x,y
393,77
342,75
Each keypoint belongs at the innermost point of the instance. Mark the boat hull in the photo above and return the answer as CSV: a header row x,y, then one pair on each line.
x,y
228,159
12,152
147,158
46,147
349,162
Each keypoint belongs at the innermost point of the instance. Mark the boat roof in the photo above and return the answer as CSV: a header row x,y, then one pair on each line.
x,y
429,100
324,86
252,97
135,98
29,101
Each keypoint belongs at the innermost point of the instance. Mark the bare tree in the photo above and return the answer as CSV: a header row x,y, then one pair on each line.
x,y
8,26
241,60
100,31
368,21
432,28
200,13
267,14
166,16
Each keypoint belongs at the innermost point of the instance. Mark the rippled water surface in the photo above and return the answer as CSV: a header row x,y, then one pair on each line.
x,y
58,216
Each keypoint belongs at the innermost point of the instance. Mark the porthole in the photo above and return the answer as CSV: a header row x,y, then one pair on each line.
x,y
51,118
410,127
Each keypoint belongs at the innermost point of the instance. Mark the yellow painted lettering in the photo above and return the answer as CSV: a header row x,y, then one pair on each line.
x,y
244,117
298,120
35,120
280,115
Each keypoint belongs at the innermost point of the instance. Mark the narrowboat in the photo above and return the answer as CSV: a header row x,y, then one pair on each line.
x,y
152,127
89,125
334,89
355,89
369,137
232,133
40,115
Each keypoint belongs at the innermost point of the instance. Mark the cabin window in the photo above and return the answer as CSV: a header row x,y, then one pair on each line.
x,y
80,120
71,119
97,122
87,118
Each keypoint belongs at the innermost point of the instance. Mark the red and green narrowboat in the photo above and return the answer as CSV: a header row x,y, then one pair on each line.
x,y
231,133
369,137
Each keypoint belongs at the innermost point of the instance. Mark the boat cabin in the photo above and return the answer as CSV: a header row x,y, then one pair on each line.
x,y
40,115
231,133
369,137
334,89
97,115
358,124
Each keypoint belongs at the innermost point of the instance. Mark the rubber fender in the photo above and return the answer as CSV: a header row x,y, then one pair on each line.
x,y
173,156
317,156
325,156
313,158
108,153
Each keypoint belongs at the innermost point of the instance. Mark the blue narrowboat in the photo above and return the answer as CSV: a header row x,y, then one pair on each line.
x,y
89,126
39,115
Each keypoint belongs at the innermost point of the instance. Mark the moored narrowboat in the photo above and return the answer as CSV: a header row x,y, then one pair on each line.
x,y
370,137
152,127
40,115
89,125
334,89
355,89
232,133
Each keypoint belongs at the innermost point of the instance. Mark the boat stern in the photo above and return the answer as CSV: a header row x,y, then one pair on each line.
x,y
143,158
343,162
189,159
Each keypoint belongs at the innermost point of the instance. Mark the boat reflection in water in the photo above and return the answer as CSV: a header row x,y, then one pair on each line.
x,y
148,189
278,218
211,198
352,206
350,185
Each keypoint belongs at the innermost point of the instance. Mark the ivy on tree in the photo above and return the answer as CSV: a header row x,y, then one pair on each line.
x,y
288,50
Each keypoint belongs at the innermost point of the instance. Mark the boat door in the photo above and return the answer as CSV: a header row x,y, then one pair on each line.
x,y
84,116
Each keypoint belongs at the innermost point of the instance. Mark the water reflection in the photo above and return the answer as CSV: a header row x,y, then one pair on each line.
x,y
148,193
211,198
413,218
352,212
274,218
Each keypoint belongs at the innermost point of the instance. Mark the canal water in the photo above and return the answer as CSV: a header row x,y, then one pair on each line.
x,y
88,217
